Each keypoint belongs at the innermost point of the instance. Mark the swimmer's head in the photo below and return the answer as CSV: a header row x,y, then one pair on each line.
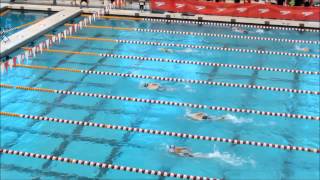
x,y
145,85
171,148
205,117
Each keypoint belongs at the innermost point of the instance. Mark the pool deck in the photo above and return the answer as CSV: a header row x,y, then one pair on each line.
x,y
32,32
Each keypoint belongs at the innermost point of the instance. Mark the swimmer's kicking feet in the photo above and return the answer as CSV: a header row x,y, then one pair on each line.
x,y
180,151
167,50
303,49
239,30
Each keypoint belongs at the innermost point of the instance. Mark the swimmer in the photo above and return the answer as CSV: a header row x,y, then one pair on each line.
x,y
199,116
260,31
153,86
303,49
236,29
180,151
166,50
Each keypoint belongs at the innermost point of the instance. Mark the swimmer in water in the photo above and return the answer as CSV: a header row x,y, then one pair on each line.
x,y
260,31
167,50
199,116
180,151
303,49
153,86
239,30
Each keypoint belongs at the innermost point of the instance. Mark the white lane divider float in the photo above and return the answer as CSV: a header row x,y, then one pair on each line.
x,y
105,165
164,133
229,36
163,102
222,24
236,66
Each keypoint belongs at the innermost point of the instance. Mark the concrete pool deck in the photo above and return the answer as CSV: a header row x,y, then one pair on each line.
x,y
24,36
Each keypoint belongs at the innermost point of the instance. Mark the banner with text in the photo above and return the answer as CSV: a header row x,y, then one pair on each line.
x,y
238,10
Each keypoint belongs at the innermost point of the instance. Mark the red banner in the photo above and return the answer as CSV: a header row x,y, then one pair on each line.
x,y
238,10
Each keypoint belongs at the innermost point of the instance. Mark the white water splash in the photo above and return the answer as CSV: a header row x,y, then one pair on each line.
x,y
231,118
260,31
188,88
225,157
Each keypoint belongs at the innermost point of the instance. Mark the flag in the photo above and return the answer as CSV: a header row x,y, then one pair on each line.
x,y
65,34
34,51
22,58
2,68
47,43
14,61
26,55
19,59
90,19
70,30
85,21
10,62
41,47
59,38
6,64
53,38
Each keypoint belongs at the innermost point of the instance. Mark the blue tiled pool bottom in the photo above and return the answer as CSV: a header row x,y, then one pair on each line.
x,y
150,151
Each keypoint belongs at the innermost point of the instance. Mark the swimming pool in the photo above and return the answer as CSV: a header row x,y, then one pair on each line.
x,y
119,60
16,20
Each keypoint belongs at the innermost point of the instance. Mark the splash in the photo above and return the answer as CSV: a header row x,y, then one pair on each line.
x,y
187,50
260,31
188,88
301,49
216,154
225,157
232,118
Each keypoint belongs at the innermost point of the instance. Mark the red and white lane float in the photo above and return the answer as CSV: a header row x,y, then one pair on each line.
x,y
104,165
55,39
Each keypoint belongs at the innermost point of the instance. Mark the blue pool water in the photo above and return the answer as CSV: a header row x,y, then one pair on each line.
x,y
15,18
222,160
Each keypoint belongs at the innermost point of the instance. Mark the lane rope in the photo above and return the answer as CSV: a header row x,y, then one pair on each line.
x,y
153,43
172,79
164,133
162,102
105,165
222,24
200,63
204,34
